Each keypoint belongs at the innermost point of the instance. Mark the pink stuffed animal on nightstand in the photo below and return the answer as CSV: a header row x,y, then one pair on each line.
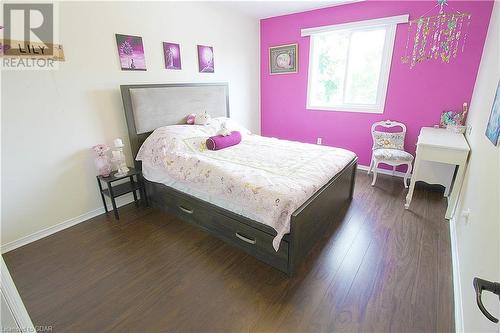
x,y
102,161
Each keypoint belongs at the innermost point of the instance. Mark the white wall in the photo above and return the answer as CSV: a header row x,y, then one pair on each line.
x,y
50,119
478,240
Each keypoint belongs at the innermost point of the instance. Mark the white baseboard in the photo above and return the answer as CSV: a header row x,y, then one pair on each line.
x,y
457,285
120,201
384,171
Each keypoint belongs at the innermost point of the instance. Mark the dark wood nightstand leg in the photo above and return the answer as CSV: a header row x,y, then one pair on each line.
x,y
102,195
113,202
134,191
135,199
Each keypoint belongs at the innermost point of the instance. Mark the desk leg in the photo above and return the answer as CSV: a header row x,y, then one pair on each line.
x,y
457,185
412,182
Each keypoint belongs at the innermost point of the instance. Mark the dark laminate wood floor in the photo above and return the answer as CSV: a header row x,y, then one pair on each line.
x,y
380,269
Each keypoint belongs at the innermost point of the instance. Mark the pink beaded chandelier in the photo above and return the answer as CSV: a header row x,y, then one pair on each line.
x,y
441,36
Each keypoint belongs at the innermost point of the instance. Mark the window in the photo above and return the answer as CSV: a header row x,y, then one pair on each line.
x,y
349,65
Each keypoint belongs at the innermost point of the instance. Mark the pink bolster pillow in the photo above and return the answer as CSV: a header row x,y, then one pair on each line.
x,y
219,142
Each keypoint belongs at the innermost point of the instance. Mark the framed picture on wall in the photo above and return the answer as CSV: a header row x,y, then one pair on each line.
x,y
283,59
493,128
131,53
205,59
172,54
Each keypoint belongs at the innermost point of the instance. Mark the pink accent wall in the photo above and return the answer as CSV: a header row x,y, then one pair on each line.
x,y
415,96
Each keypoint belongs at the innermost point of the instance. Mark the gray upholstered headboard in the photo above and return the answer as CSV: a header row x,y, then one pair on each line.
x,y
149,106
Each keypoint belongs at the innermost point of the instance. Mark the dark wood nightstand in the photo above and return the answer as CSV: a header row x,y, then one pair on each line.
x,y
115,191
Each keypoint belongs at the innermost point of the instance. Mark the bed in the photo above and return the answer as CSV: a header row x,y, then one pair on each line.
x,y
275,212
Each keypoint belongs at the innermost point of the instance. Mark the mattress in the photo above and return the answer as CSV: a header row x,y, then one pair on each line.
x,y
264,179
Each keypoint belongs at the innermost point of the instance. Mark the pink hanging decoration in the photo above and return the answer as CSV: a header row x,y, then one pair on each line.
x,y
436,37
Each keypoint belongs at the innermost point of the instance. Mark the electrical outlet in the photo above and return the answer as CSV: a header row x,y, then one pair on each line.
x,y
466,214
319,141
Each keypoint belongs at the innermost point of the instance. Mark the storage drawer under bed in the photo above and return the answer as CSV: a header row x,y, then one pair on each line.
x,y
253,241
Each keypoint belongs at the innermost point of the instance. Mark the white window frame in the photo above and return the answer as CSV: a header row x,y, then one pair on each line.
x,y
389,23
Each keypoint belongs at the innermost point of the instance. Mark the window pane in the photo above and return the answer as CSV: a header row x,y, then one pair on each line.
x,y
328,71
363,72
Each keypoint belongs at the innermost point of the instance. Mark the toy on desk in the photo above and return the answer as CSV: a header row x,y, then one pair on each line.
x,y
454,121
454,118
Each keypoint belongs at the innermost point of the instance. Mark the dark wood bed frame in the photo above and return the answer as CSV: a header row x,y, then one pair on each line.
x,y
308,223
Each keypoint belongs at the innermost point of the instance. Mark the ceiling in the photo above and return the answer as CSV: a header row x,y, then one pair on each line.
x,y
265,9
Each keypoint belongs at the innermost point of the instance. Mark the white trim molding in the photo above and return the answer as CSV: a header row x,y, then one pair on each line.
x,y
121,201
457,284
391,20
14,302
389,25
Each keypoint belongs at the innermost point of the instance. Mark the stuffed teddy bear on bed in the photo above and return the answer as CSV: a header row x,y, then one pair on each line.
x,y
190,119
202,118
223,130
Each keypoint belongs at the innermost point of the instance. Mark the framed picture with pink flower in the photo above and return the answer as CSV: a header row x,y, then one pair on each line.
x,y
131,53
283,59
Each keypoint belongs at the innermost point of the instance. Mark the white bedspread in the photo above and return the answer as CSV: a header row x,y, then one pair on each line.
x,y
264,179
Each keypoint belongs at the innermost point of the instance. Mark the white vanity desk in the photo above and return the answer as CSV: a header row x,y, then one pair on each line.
x,y
442,146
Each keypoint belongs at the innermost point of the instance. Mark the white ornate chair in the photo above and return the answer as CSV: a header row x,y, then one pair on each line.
x,y
388,148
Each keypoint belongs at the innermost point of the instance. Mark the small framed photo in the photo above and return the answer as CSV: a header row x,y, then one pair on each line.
x,y
131,53
172,54
283,59
205,59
